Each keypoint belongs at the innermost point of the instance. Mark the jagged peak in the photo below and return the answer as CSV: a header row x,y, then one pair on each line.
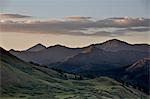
x,y
36,47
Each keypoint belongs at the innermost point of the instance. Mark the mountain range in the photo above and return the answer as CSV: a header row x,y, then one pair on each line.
x,y
113,58
58,53
23,80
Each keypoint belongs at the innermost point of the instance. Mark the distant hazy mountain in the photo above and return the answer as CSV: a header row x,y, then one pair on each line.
x,y
117,45
46,56
54,54
37,47
21,80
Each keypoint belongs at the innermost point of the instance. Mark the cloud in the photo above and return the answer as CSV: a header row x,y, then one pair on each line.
x,y
106,27
143,29
99,33
124,22
4,16
77,18
133,29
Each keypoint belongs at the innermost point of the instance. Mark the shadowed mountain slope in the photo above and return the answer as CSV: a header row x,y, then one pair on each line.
x,y
138,74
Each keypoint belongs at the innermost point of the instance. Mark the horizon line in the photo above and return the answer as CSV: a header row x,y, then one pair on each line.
x,y
62,45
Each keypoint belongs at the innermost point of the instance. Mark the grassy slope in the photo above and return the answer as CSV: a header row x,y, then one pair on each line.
x,y
27,81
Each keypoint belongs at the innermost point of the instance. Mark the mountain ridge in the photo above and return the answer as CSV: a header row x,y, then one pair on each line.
x,y
60,53
103,43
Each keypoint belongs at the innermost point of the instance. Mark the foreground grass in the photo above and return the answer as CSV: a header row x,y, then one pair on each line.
x,y
99,88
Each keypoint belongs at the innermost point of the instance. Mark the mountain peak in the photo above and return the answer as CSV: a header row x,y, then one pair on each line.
x,y
37,47
115,41
114,45
39,44
57,46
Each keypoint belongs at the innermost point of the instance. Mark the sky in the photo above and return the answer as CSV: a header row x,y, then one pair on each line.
x,y
73,23
61,8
